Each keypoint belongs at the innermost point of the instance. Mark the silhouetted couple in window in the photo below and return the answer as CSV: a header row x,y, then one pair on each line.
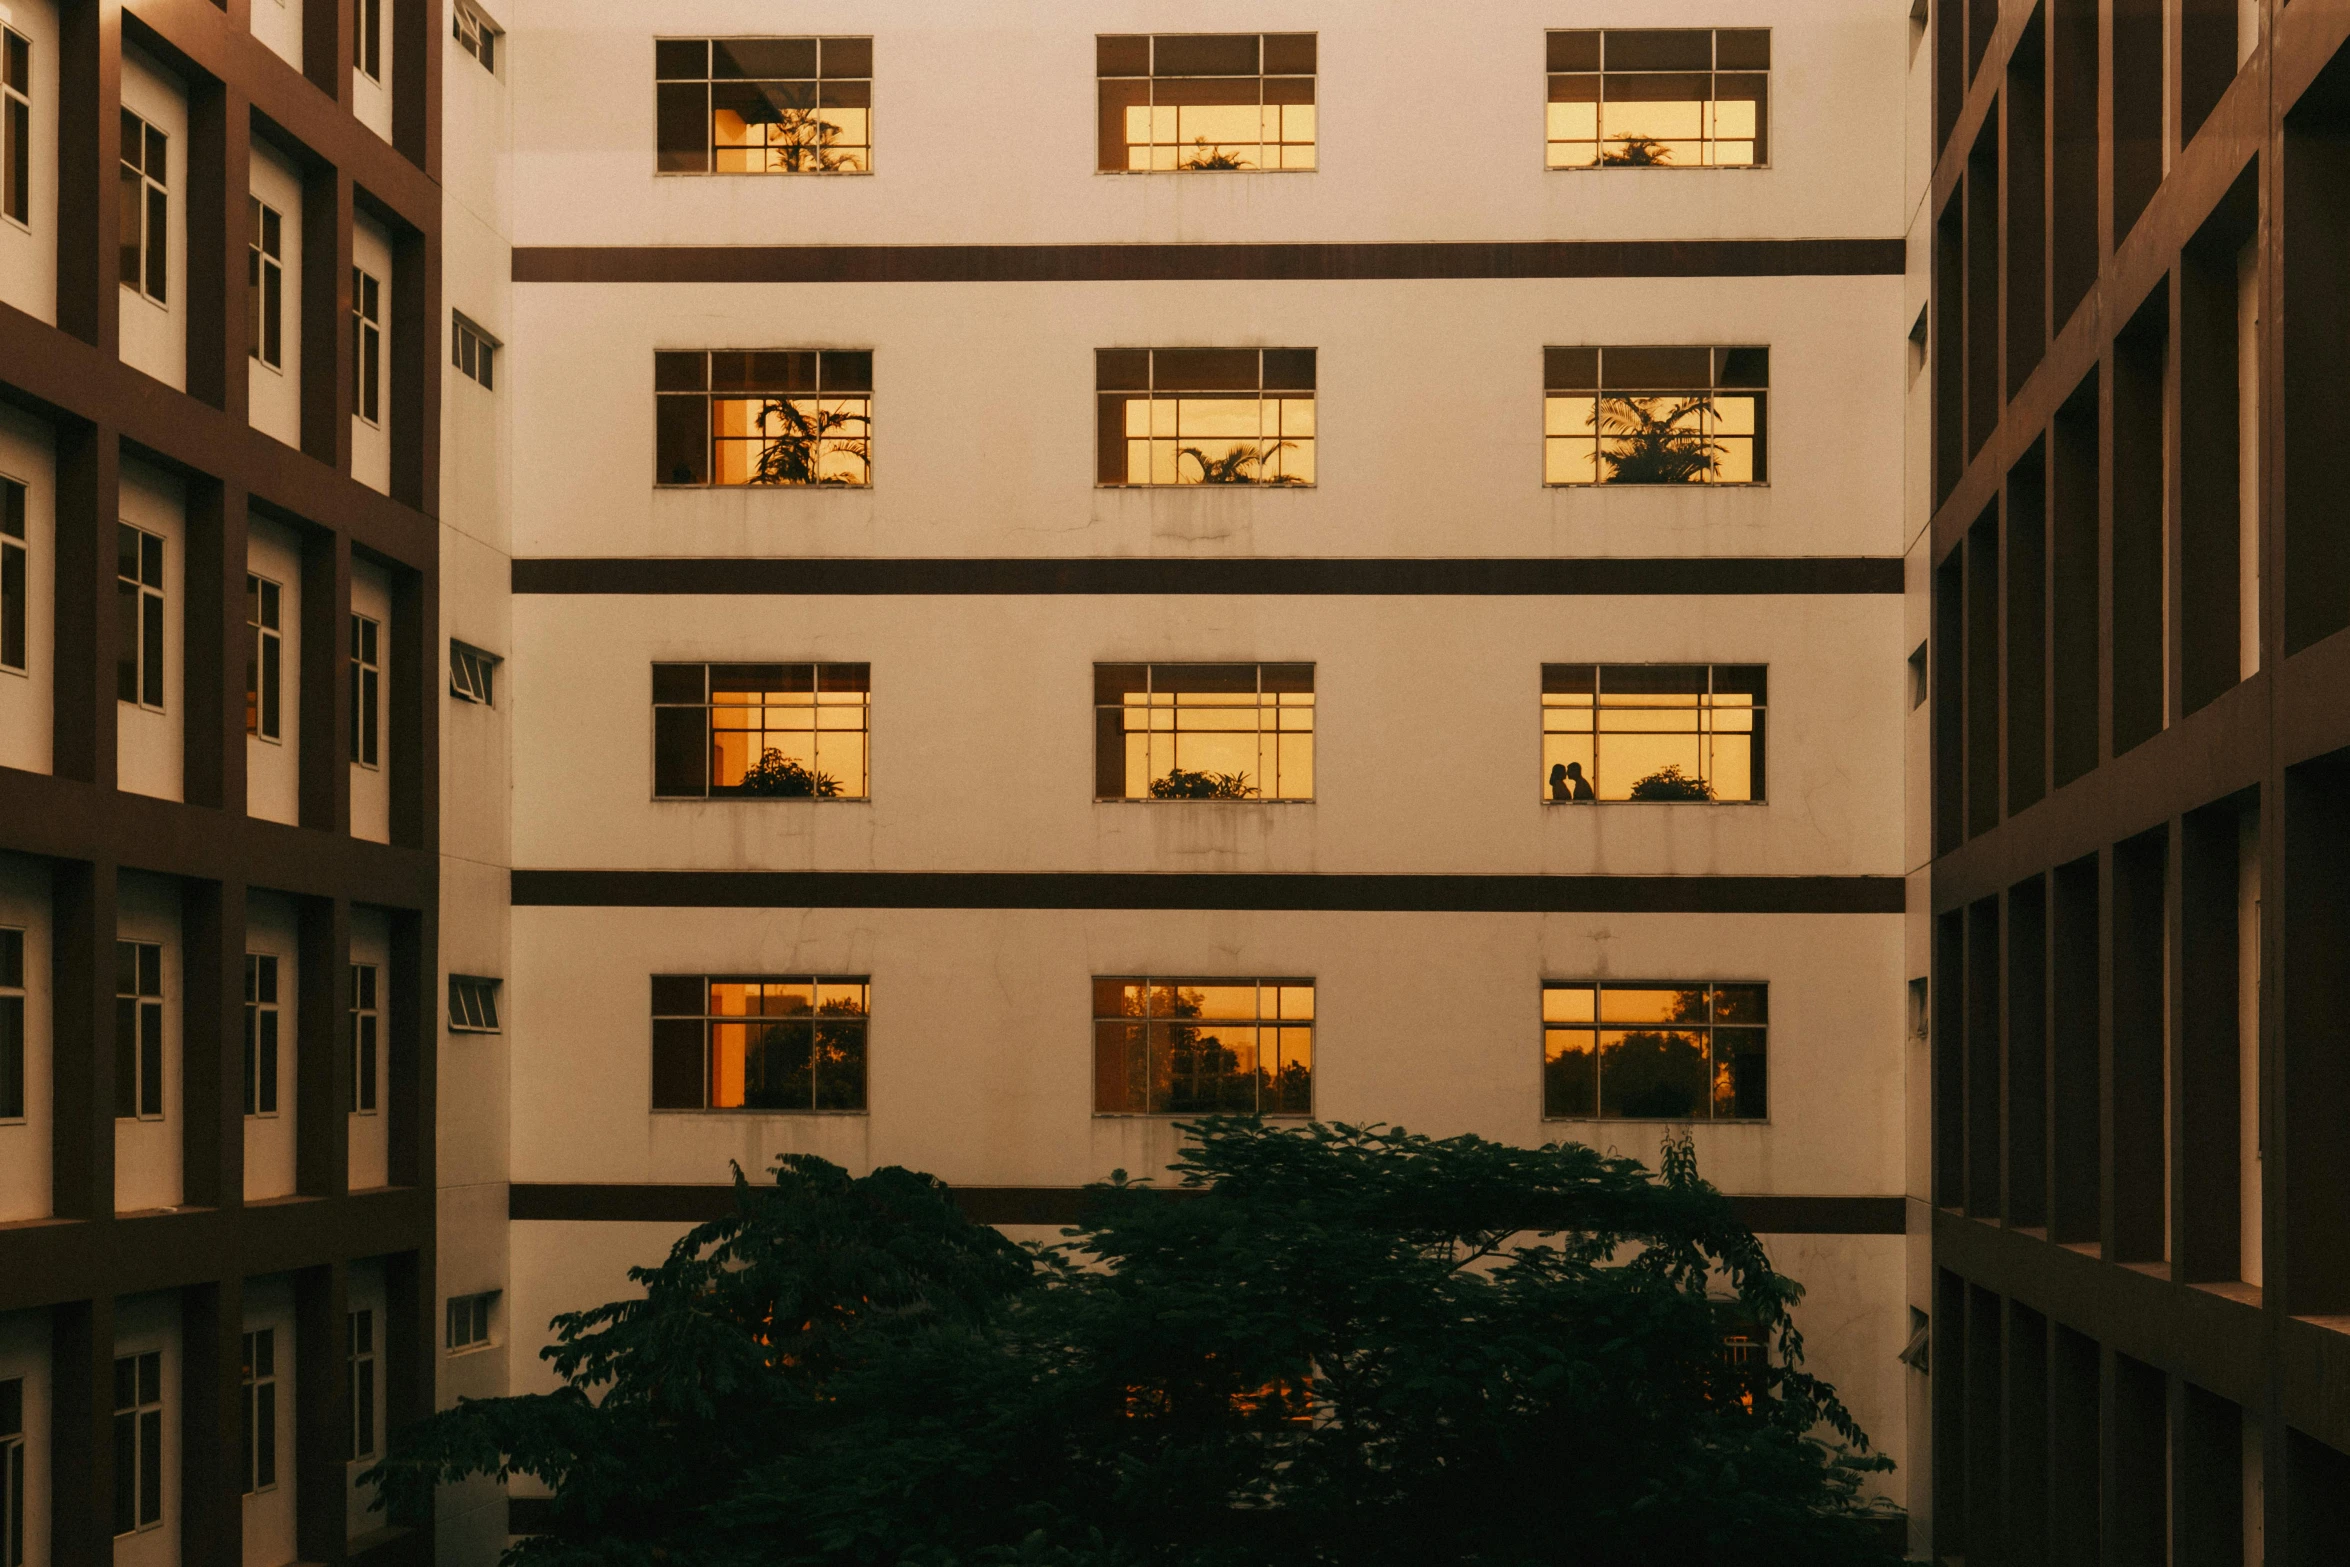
x,y
1568,783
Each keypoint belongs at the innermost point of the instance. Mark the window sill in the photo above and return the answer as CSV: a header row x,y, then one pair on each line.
x,y
761,799
1666,168
1127,174
761,174
1211,489
746,489
1649,1120
1721,804
1169,1116
1696,484
1129,799
747,1112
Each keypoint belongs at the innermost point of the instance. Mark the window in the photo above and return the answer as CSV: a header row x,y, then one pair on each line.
x,y
11,1028
473,351
765,731
1653,732
365,1020
472,674
748,416
1655,1052
265,284
759,1042
261,1033
146,208
366,690
1204,415
476,34
1919,687
15,594
367,50
473,1004
138,601
138,1031
12,1499
264,657
260,1411
469,1320
764,105
359,1363
16,145
138,1442
1203,1046
1659,97
1183,102
1654,415
366,346
1203,731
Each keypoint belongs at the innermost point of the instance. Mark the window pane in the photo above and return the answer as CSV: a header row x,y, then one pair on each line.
x,y
1570,1072
683,128
763,59
1205,369
1659,49
846,57
1204,54
1741,1075
677,1061
1653,1074
682,454
1289,54
681,751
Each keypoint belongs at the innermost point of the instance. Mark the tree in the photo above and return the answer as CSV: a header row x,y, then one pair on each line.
x,y
1337,1345
1642,446
776,775
1670,783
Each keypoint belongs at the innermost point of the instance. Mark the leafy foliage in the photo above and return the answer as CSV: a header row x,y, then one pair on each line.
x,y
1637,150
776,775
1244,464
800,433
1204,156
1334,1345
1670,783
1641,445
1182,785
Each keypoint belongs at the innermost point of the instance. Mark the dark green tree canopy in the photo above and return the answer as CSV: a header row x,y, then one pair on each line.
x,y
1327,1345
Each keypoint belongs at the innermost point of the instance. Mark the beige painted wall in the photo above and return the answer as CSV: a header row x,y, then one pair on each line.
x,y
1427,745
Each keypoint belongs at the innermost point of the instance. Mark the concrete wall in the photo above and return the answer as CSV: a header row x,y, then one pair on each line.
x,y
28,697
28,251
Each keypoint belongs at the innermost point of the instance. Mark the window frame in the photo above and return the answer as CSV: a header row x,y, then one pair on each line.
x,y
366,346
1720,384
16,576
1281,1021
482,1016
143,660
674,428
359,1365
138,1051
1702,734
483,45
1115,387
148,256
142,1495
367,42
480,1311
366,691
1277,710
1106,43
1713,73
708,82
13,1442
16,128
1598,1027
257,1407
265,658
264,1029
673,732
669,1045
473,351
15,1002
473,674
265,285
366,1035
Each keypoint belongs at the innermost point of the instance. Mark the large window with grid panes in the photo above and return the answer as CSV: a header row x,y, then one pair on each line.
x,y
1659,733
764,417
1175,416
1180,1046
1203,731
1190,103
763,105
1655,415
1655,1051
761,731
760,1042
1658,97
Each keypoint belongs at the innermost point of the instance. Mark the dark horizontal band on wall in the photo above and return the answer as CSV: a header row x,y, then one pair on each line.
x,y
665,1204
45,1261
1341,262
1467,578
1157,890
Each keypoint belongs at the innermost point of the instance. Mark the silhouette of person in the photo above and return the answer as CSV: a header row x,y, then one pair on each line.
x,y
1568,783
